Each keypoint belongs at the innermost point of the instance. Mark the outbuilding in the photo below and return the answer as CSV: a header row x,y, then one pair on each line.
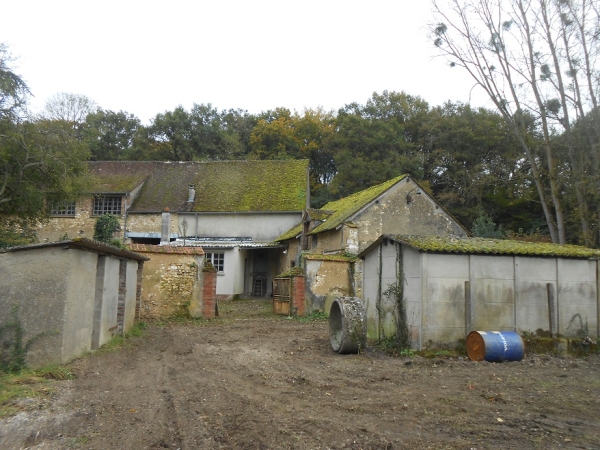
x,y
441,288
73,296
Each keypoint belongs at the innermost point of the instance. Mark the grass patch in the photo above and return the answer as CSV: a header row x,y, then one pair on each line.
x,y
315,316
127,340
36,384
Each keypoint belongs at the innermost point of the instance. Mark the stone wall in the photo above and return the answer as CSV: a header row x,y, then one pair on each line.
x,y
169,279
325,280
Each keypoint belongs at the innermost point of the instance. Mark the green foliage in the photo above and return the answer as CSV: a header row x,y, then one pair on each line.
x,y
13,90
13,348
110,135
314,316
16,238
105,228
485,227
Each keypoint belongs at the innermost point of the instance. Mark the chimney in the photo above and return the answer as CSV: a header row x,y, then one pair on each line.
x,y
192,193
165,229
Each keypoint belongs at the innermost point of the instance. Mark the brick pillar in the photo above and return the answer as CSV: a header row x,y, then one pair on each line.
x,y
298,295
209,294
138,291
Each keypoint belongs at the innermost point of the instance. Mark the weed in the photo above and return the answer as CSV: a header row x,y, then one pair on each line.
x,y
13,351
27,384
118,342
315,316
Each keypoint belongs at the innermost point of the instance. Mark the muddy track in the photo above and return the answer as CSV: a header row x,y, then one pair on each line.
x,y
273,383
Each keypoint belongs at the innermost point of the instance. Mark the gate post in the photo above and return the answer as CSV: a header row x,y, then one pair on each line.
x,y
298,295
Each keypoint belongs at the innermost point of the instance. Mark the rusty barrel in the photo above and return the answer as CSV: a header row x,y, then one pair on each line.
x,y
495,346
347,325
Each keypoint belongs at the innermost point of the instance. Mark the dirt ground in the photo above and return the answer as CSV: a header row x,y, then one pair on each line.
x,y
250,380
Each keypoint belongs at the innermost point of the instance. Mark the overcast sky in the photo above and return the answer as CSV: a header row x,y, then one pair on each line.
x,y
146,57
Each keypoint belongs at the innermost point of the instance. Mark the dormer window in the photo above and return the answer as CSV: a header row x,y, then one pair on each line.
x,y
107,204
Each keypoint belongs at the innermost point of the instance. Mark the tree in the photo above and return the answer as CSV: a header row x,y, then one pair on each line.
x,y
110,135
472,162
70,108
13,90
39,163
538,68
199,134
376,141
280,134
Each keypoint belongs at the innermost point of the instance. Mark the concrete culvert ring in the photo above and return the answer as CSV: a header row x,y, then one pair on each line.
x,y
347,325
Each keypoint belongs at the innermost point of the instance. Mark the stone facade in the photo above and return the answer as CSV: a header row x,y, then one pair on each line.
x,y
170,279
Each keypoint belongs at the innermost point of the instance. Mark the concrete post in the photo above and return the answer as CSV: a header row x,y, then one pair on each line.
x,y
98,298
165,229
551,310
121,297
468,309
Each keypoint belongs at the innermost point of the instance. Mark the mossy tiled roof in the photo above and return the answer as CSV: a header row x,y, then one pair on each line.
x,y
221,186
172,249
119,176
436,244
345,207
319,214
337,212
332,257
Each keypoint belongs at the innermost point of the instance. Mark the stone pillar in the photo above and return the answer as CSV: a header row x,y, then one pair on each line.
x,y
209,293
298,295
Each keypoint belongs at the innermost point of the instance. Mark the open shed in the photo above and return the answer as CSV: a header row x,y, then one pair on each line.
x,y
451,286
75,294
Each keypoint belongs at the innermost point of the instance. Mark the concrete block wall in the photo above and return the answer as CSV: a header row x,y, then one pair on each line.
x,y
449,295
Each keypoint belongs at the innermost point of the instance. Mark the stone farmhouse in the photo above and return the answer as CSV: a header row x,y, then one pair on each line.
x,y
328,239
234,210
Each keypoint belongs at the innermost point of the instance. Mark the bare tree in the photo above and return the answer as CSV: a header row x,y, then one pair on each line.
x,y
532,58
71,108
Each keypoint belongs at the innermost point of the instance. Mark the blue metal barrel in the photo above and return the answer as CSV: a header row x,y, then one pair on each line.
x,y
495,346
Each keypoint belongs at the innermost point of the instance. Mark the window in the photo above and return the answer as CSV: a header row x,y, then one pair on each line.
x,y
106,204
62,208
217,260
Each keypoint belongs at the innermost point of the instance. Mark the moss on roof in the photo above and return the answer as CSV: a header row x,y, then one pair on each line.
x,y
436,244
119,176
177,250
221,186
337,212
347,206
337,257
243,186
290,234
319,214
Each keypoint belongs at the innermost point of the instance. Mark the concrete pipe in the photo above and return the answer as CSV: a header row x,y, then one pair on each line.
x,y
347,325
